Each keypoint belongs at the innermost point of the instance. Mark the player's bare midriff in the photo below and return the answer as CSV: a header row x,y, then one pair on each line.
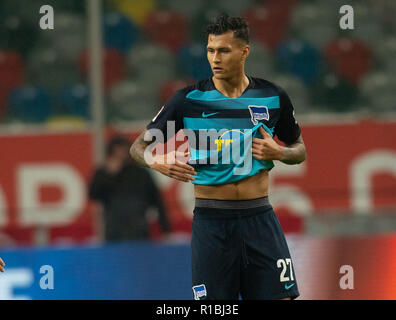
x,y
249,188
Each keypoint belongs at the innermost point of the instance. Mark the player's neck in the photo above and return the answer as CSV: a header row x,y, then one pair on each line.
x,y
233,87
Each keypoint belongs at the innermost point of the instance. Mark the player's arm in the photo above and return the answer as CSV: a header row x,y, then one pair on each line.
x,y
167,164
2,265
138,148
268,149
294,153
288,131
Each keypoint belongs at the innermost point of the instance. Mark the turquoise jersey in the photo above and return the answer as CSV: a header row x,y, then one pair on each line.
x,y
220,167
220,130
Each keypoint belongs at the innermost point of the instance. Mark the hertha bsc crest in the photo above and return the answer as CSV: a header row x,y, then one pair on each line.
x,y
199,291
258,113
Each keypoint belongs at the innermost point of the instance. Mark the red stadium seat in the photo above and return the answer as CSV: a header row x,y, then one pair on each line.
x,y
268,22
167,28
11,75
114,67
169,88
350,58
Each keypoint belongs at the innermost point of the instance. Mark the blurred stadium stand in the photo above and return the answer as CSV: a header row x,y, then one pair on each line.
x,y
289,38
299,59
30,103
74,100
341,82
119,32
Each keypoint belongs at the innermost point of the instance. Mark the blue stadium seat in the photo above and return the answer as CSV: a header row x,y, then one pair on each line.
x,y
119,32
300,59
75,100
192,61
31,104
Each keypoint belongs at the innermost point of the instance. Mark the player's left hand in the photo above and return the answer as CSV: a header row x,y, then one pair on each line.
x,y
266,148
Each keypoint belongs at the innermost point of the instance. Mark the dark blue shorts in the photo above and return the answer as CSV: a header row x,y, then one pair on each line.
x,y
240,253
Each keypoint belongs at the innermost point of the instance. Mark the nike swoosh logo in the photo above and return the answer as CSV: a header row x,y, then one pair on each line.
x,y
288,287
205,115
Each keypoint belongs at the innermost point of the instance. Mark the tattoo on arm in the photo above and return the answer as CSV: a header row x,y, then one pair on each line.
x,y
138,148
294,153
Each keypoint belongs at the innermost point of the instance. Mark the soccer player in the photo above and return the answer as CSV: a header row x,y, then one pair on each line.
x,y
2,265
238,246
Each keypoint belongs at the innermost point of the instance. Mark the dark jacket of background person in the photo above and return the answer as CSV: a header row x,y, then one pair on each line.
x,y
126,192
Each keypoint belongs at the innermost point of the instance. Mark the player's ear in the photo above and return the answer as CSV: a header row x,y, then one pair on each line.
x,y
245,52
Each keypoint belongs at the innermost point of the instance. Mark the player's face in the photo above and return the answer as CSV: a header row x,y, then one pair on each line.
x,y
226,55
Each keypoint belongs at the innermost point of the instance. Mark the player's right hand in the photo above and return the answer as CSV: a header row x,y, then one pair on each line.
x,y
2,264
170,166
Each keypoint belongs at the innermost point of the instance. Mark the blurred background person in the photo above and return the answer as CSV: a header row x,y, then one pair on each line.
x,y
127,194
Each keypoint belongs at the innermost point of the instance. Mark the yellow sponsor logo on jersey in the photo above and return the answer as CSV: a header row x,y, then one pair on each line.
x,y
225,138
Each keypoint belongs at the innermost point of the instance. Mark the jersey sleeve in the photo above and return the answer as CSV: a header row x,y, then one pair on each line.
x,y
287,128
169,116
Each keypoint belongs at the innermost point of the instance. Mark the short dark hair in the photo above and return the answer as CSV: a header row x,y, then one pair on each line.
x,y
116,141
224,23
